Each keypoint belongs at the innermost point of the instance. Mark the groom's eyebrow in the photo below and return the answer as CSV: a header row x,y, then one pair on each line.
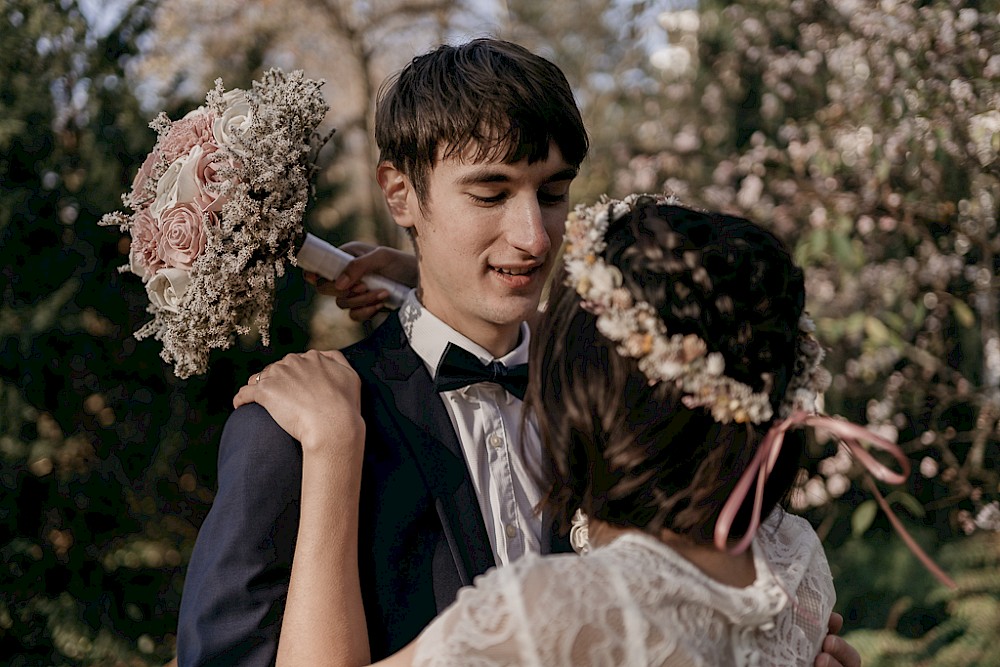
x,y
484,175
567,174
488,175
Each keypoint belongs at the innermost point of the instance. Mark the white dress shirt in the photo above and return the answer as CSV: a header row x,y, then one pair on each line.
x,y
487,421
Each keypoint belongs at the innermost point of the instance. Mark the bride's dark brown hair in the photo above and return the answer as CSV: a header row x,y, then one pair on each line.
x,y
630,453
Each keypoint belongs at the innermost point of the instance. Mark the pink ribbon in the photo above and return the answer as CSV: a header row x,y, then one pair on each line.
x,y
850,435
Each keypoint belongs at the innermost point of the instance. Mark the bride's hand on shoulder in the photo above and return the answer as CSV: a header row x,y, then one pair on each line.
x,y
315,397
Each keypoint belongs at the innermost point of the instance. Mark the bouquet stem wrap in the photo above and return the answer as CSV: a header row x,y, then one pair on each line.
x,y
328,261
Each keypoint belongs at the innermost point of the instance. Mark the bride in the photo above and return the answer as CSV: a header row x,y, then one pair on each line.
x,y
673,348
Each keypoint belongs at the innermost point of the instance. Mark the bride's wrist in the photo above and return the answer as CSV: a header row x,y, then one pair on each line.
x,y
331,479
345,449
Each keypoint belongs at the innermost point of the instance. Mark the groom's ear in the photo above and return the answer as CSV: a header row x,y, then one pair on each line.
x,y
399,194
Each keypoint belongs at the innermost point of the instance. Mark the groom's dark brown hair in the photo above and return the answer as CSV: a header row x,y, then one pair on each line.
x,y
491,97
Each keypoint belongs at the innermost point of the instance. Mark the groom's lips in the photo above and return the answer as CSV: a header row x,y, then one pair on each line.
x,y
512,271
516,276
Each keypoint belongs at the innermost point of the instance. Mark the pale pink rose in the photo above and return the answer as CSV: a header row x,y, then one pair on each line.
x,y
182,234
193,129
198,180
139,196
142,253
166,289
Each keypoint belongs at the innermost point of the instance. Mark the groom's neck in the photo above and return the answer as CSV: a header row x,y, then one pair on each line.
x,y
497,338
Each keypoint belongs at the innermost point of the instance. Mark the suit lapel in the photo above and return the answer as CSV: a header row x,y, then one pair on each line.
x,y
406,385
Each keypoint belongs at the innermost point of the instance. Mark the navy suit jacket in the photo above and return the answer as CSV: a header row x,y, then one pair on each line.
x,y
421,535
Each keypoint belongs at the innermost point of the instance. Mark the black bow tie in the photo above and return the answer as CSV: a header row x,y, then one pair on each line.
x,y
459,368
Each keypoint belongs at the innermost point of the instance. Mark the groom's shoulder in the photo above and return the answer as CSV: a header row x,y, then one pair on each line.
x,y
387,339
256,454
251,424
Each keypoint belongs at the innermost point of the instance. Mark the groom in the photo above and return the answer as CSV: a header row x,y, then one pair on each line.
x,y
479,144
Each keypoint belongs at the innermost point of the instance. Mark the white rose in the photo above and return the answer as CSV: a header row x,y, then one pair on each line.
x,y
167,187
187,179
234,121
198,182
166,289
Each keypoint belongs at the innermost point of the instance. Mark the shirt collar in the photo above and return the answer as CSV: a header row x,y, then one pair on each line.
x,y
429,336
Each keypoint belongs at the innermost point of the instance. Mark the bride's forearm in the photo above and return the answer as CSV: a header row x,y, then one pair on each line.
x,y
324,621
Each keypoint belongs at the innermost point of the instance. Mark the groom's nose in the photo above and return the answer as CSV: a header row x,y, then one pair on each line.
x,y
526,228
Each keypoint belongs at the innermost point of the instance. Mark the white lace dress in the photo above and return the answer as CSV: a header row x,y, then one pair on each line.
x,y
636,602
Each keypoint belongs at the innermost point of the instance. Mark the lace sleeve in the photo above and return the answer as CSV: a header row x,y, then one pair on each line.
x,y
815,597
479,629
798,560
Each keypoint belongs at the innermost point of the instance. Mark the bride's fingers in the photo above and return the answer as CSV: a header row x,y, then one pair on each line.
x,y
295,370
364,301
246,394
255,378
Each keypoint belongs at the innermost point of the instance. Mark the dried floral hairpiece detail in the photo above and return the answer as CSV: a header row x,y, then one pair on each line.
x,y
809,379
217,211
681,359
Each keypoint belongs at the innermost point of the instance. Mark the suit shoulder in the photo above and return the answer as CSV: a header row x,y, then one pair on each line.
x,y
253,441
255,422
389,334
377,350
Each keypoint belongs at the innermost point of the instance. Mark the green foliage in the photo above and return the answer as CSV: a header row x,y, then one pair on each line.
x,y
106,460
936,626
862,517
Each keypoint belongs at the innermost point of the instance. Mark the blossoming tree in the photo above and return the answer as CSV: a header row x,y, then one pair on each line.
x,y
868,133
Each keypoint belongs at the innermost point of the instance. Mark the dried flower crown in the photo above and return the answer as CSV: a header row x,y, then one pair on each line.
x,y
681,359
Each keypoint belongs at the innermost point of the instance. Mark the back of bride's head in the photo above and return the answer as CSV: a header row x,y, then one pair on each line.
x,y
660,361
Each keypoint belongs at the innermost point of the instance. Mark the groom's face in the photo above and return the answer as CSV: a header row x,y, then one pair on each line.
x,y
486,237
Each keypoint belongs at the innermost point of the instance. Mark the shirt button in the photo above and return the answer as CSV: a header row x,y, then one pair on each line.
x,y
511,530
495,441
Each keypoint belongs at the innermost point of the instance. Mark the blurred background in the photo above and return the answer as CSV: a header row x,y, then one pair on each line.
x,y
865,133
